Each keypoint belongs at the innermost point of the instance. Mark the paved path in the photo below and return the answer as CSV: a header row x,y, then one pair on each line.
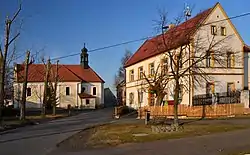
x,y
41,139
215,144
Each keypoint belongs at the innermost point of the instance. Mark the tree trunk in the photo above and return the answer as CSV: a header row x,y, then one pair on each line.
x,y
23,102
176,102
159,99
54,110
45,89
3,64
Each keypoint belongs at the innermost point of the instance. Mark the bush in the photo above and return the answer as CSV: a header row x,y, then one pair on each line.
x,y
8,112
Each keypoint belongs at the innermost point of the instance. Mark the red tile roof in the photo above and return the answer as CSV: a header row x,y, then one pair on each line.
x,y
85,95
173,37
67,73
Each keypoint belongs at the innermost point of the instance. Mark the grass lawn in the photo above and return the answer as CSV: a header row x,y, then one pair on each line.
x,y
116,134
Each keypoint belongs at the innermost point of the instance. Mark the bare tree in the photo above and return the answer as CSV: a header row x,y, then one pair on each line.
x,y
188,59
120,75
3,54
46,86
25,81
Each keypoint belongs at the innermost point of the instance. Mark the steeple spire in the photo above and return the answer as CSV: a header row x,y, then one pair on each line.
x,y
84,57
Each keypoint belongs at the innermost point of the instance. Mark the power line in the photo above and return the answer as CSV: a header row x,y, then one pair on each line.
x,y
105,47
119,44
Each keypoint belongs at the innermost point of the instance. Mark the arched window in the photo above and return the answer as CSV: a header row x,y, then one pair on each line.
x,y
94,90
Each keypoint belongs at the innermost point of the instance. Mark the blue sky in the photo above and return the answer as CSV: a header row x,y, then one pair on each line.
x,y
61,27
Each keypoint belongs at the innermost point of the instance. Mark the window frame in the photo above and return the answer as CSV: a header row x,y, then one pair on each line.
x,y
232,88
94,91
28,92
131,74
223,33
140,96
87,101
140,72
211,87
213,30
151,69
164,65
67,91
210,59
131,98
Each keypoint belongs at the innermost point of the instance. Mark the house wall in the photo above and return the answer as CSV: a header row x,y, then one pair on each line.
x,y
217,75
231,42
37,88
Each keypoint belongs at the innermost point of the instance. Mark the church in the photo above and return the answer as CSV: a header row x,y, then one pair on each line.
x,y
78,84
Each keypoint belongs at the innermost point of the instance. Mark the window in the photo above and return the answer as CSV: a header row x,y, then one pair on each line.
x,y
223,31
140,96
210,88
131,75
151,99
94,90
230,60
213,30
230,87
131,98
87,101
140,70
83,89
67,91
164,65
151,69
29,91
210,59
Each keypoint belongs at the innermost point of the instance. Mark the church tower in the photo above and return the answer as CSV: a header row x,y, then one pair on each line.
x,y
84,58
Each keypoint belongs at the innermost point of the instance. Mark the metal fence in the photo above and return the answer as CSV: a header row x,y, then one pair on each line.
x,y
218,98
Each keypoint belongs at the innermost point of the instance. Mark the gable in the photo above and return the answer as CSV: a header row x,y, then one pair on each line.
x,y
219,18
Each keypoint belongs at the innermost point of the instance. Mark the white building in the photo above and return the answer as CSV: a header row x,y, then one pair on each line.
x,y
211,23
79,85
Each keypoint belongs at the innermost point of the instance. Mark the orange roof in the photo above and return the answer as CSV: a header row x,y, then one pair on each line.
x,y
67,73
174,38
85,95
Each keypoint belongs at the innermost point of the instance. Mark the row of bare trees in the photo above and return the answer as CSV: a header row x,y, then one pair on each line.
x,y
7,56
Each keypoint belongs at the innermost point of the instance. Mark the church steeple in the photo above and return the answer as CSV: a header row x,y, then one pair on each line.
x,y
84,58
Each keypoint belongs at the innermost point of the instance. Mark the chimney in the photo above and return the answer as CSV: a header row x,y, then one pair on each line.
x,y
168,27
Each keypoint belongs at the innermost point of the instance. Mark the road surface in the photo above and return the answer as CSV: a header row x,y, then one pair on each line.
x,y
41,139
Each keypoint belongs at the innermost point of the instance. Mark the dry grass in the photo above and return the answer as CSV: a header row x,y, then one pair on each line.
x,y
114,134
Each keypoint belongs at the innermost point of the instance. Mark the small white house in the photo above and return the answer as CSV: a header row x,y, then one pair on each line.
x,y
79,85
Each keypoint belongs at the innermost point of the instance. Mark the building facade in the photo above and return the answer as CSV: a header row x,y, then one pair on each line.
x,y
209,26
78,85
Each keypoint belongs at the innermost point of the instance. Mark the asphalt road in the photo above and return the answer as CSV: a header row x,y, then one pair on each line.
x,y
42,139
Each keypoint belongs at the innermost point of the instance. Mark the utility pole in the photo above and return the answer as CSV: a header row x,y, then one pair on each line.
x,y
46,78
23,102
55,89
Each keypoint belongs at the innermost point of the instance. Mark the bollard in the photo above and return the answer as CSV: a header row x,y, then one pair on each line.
x,y
147,117
69,109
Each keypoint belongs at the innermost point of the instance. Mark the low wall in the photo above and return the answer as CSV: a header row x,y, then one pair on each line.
x,y
195,111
